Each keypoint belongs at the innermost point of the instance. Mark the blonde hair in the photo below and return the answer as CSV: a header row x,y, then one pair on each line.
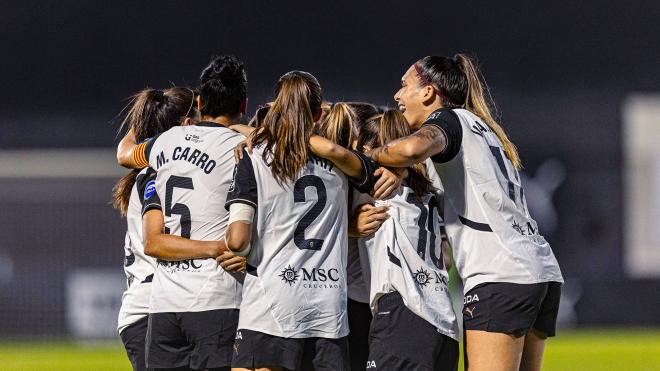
x,y
338,125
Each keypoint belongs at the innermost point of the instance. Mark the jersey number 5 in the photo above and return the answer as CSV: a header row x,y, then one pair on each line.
x,y
179,209
311,215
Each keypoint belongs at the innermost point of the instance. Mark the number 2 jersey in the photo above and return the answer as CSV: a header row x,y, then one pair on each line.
x,y
295,285
404,255
138,267
493,236
194,166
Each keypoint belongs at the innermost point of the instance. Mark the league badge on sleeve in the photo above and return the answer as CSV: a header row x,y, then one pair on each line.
x,y
150,189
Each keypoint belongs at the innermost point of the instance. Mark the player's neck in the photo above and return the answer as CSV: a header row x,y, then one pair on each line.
x,y
222,120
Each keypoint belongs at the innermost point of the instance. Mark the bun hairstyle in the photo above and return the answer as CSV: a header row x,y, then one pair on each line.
x,y
386,127
459,84
223,87
151,112
289,124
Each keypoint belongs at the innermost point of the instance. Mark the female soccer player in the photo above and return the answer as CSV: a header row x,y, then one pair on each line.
x,y
511,278
152,112
288,211
194,302
409,296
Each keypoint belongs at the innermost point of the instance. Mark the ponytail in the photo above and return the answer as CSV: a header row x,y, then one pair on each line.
x,y
477,103
121,192
289,123
338,125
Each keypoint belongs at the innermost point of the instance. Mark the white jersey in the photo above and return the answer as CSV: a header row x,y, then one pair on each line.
x,y
296,281
194,165
138,267
358,269
405,256
489,227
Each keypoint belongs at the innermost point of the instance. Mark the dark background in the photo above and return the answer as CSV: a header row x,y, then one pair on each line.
x,y
559,72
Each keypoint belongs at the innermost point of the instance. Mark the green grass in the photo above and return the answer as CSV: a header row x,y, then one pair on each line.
x,y
583,350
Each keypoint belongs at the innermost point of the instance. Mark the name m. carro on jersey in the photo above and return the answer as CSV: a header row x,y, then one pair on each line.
x,y
195,157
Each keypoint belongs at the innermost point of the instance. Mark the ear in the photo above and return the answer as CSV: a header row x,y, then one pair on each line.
x,y
187,121
427,94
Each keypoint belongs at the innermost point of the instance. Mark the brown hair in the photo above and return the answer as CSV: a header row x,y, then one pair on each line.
x,y
151,112
289,124
386,127
459,83
338,125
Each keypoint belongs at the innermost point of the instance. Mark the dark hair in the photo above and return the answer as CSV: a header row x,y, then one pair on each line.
x,y
384,128
151,112
458,83
363,112
257,120
223,87
289,123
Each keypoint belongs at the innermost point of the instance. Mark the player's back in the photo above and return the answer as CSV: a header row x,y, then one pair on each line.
x,y
296,282
194,165
405,256
486,210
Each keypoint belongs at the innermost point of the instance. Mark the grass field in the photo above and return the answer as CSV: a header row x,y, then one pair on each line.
x,y
583,350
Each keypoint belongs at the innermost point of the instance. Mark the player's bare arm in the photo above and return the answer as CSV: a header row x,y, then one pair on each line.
x,y
238,235
415,148
170,247
347,161
125,151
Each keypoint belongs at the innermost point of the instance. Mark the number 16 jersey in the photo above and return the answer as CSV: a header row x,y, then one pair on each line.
x,y
194,165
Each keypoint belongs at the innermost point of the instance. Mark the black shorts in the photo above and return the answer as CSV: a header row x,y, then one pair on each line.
x,y
254,349
133,337
359,320
401,340
512,308
198,340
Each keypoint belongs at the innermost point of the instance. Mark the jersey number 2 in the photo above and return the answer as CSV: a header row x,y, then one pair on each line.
x,y
309,217
179,209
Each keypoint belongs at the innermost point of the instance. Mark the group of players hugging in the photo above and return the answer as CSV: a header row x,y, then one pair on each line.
x,y
319,235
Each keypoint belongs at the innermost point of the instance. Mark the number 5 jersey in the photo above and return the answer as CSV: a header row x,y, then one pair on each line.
x,y
194,171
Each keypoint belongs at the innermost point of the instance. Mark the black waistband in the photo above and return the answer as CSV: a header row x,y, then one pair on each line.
x,y
389,301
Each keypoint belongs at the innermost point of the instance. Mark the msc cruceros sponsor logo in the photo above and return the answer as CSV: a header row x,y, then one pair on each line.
x,y
424,278
188,265
311,278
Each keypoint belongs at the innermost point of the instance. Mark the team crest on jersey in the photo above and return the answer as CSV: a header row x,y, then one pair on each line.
x,y
150,189
422,277
289,275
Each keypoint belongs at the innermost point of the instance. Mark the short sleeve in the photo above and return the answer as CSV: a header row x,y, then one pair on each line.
x,y
365,184
243,187
446,120
146,187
